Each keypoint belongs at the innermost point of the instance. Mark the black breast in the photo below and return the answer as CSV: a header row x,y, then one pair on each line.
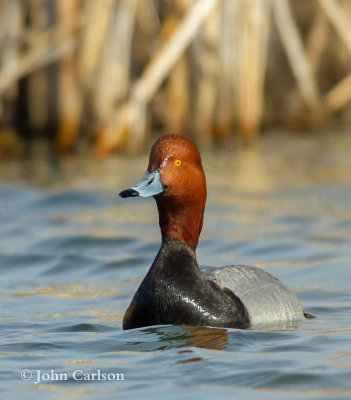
x,y
175,292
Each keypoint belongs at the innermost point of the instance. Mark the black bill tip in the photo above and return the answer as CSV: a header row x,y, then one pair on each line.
x,y
129,193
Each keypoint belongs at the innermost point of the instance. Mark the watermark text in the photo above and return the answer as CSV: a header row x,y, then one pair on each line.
x,y
40,376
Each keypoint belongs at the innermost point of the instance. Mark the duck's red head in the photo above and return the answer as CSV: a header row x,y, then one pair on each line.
x,y
176,179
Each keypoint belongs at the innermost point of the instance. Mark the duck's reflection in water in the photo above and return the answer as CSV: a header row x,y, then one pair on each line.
x,y
176,336
171,336
209,338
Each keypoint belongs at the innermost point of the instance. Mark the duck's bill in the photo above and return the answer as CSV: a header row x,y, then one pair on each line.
x,y
150,185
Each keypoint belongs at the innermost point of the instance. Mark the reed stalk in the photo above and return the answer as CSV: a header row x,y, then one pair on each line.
x,y
10,31
228,68
295,51
252,66
112,80
340,94
70,99
317,40
177,84
207,79
93,35
339,19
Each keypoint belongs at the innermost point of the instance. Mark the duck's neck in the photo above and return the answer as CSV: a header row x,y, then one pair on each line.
x,y
180,219
176,259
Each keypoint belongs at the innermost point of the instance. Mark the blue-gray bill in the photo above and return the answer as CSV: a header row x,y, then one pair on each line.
x,y
150,185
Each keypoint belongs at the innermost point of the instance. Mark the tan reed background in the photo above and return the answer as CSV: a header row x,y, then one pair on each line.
x,y
110,72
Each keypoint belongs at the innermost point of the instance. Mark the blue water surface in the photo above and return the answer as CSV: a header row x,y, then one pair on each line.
x,y
72,256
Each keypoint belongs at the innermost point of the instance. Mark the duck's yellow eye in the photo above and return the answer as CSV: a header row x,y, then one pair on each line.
x,y
177,163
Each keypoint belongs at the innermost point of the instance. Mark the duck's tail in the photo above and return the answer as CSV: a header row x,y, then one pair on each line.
x,y
308,315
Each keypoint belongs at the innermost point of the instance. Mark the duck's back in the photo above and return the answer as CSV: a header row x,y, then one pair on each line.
x,y
266,299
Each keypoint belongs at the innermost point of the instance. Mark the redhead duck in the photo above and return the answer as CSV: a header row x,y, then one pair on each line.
x,y
176,290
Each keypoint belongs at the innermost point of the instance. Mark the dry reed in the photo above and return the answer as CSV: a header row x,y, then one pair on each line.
x,y
114,70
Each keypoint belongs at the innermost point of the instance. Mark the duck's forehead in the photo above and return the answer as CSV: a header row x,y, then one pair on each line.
x,y
169,147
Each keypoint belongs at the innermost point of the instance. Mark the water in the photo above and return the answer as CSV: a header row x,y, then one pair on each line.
x,y
72,255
